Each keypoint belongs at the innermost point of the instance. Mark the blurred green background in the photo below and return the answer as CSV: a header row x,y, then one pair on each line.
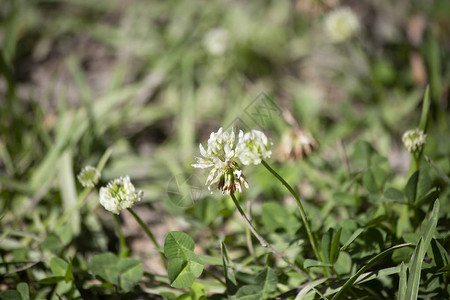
x,y
150,80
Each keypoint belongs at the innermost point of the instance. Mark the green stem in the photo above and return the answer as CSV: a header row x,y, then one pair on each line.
x,y
416,162
261,240
123,245
248,236
215,277
150,235
438,170
335,273
300,206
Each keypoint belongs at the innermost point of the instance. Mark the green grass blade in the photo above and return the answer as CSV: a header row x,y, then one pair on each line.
x,y
334,251
368,276
402,283
438,170
75,130
305,291
425,109
415,265
12,32
431,226
352,279
104,159
5,157
68,189
433,53
230,277
352,238
187,103
81,83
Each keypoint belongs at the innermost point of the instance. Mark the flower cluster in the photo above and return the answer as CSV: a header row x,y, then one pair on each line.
x,y
89,176
119,194
341,24
224,153
296,144
216,41
414,139
252,147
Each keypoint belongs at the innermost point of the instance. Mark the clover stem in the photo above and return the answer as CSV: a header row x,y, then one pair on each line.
x,y
248,235
416,161
150,235
123,245
261,240
300,206
215,277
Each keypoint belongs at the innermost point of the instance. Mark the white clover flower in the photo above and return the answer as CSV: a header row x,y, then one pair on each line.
x,y
252,147
221,157
89,176
216,41
119,194
414,139
340,24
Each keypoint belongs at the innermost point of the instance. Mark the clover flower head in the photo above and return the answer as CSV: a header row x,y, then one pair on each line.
x,y
220,150
341,24
414,139
253,146
220,155
89,176
119,194
296,144
216,41
228,178
224,155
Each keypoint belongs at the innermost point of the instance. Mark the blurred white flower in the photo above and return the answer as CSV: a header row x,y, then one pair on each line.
x,y
89,176
295,144
414,139
216,41
119,194
341,24
221,157
252,147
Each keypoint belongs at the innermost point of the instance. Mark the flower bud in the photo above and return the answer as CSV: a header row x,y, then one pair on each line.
x,y
253,146
341,24
119,194
216,41
89,176
414,140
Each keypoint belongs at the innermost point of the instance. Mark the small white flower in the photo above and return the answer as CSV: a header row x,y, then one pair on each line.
x,y
220,155
220,150
253,146
89,176
414,139
216,41
341,24
223,155
119,194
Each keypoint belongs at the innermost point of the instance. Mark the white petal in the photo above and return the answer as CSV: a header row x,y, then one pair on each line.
x,y
202,151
